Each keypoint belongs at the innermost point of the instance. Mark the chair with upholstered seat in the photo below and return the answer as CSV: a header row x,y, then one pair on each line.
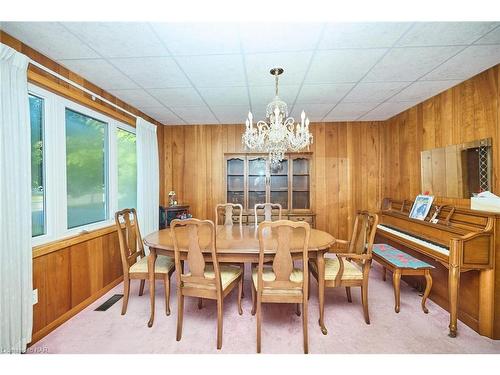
x,y
268,211
134,261
351,265
194,240
280,282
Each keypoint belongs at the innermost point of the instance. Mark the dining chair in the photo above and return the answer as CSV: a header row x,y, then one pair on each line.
x,y
196,240
268,211
352,262
280,282
134,261
228,210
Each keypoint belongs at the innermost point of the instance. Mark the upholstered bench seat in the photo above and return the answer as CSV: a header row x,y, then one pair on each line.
x,y
401,263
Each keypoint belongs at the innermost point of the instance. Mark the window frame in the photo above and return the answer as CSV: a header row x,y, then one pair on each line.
x,y
55,183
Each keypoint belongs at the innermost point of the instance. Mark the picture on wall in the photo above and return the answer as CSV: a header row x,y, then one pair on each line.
x,y
421,207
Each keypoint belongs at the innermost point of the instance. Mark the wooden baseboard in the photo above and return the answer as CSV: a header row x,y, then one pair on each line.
x,y
37,336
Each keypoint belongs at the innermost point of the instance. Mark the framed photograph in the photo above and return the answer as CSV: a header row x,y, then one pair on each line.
x,y
421,207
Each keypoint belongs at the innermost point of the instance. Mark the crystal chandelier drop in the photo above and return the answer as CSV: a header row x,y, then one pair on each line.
x,y
278,133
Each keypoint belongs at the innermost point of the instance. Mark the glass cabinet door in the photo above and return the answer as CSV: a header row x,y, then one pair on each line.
x,y
235,180
278,189
257,179
300,183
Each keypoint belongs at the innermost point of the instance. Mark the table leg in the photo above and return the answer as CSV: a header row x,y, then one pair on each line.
x,y
151,272
321,290
396,278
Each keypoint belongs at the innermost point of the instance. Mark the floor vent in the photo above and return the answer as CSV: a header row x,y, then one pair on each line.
x,y
110,302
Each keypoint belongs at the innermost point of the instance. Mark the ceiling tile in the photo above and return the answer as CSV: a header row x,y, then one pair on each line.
x,y
186,96
231,114
49,38
214,70
139,97
330,93
362,35
469,62
100,72
342,66
279,36
409,64
119,39
492,37
225,96
294,64
387,110
374,92
314,112
163,115
262,95
422,90
199,38
349,111
445,33
195,115
152,72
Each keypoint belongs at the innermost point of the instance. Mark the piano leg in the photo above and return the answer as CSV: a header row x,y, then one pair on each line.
x,y
453,285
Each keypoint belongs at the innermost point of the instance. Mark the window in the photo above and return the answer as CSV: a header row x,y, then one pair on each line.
x,y
37,170
127,169
86,169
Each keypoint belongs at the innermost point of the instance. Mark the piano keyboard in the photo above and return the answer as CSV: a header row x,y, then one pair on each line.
x,y
416,240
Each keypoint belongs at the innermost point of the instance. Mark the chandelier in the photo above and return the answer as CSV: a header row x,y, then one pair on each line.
x,y
278,133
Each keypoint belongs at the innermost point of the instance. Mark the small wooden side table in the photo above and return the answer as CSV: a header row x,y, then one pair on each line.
x,y
172,212
400,263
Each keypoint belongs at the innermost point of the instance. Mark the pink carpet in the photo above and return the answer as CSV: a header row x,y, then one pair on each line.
x,y
410,331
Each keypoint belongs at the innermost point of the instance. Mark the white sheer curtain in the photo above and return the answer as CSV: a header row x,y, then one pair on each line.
x,y
16,261
148,177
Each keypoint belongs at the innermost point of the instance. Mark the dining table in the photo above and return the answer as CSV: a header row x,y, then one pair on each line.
x,y
237,244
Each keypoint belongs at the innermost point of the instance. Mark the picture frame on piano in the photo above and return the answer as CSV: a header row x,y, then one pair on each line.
x,y
421,207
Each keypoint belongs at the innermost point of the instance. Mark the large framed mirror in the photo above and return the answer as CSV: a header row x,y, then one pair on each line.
x,y
457,171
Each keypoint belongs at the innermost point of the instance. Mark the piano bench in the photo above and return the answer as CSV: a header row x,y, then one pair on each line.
x,y
400,263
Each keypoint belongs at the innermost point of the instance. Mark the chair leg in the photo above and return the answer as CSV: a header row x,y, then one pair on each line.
x,y
240,295
167,294
141,288
126,291
348,292
254,299
304,326
308,285
297,309
219,322
180,313
364,300
259,323
200,303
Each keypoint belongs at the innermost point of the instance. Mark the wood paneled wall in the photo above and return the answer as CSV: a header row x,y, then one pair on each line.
x,y
346,168
464,113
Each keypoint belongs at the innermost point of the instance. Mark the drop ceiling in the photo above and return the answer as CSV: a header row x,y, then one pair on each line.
x,y
213,73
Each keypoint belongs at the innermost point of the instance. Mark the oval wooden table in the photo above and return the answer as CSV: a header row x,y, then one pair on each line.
x,y
236,244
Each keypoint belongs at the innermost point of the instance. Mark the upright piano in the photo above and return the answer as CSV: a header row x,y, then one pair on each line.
x,y
460,239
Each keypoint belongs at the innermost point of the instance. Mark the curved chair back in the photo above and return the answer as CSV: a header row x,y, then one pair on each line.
x,y
228,210
363,234
268,211
196,238
129,237
283,236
